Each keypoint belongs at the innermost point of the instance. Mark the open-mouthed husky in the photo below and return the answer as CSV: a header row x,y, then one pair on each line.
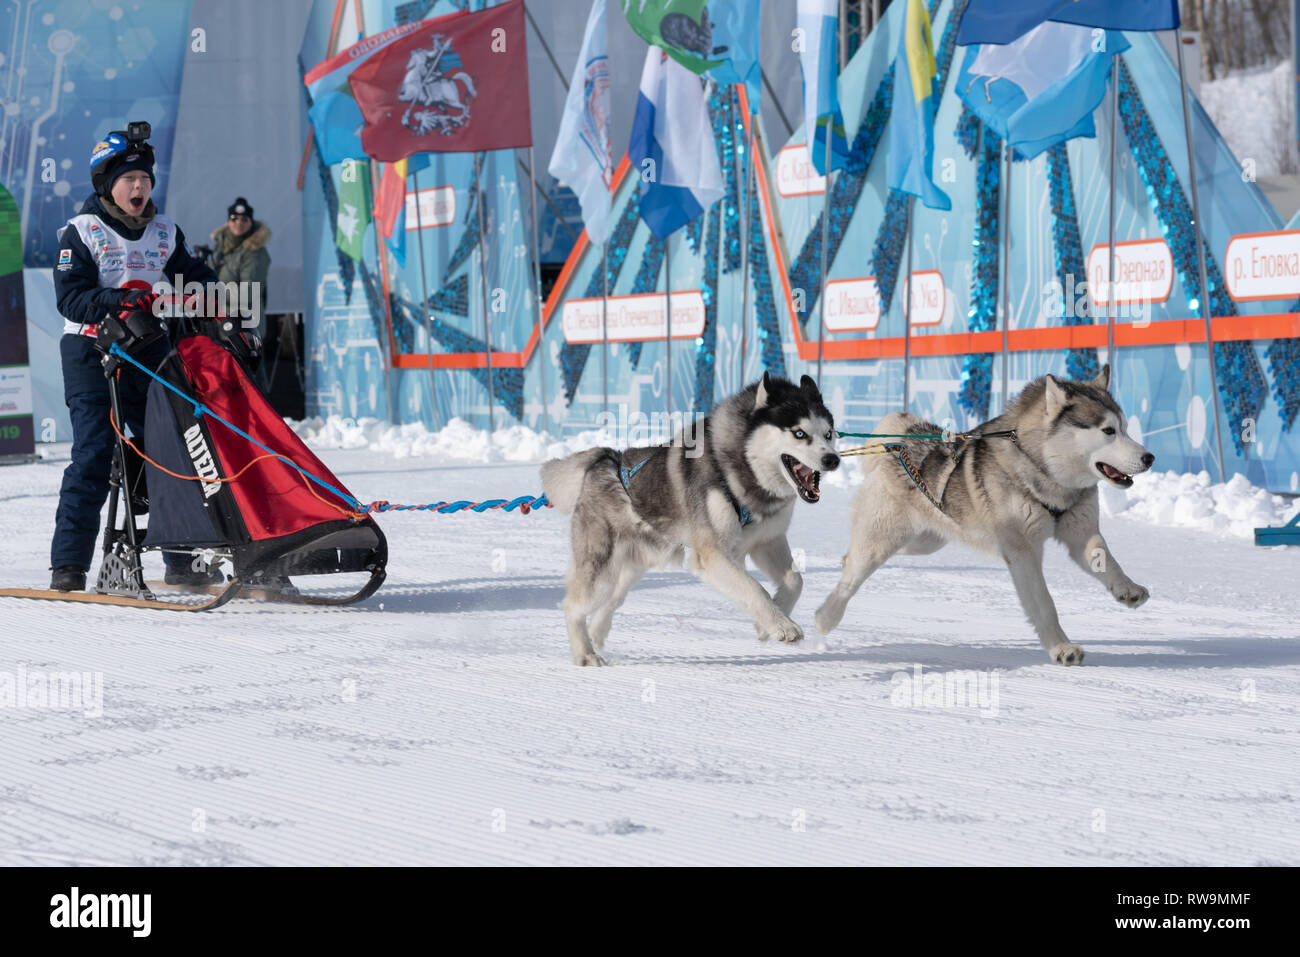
x,y
725,488
1005,495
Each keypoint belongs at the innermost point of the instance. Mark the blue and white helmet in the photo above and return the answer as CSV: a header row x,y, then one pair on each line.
x,y
115,155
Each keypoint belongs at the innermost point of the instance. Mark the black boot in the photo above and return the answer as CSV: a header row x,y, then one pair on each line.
x,y
68,578
185,575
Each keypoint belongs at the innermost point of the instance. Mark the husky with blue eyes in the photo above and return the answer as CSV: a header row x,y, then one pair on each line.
x,y
723,489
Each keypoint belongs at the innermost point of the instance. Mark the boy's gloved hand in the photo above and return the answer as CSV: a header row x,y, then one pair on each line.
x,y
138,300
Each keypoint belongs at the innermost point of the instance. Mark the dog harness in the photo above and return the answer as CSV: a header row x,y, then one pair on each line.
x,y
954,455
742,514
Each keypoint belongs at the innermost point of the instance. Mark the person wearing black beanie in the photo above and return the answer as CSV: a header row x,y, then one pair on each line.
x,y
239,254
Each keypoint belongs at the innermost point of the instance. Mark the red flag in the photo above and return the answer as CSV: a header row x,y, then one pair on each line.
x,y
390,198
458,84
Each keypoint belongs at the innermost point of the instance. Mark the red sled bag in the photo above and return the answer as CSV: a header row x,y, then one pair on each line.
x,y
248,505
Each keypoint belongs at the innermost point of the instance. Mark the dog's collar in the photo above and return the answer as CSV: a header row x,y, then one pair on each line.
x,y
1052,510
742,514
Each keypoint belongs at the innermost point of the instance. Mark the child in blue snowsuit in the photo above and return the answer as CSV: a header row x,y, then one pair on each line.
x,y
110,256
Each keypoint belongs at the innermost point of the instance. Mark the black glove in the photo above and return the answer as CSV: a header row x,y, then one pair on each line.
x,y
141,299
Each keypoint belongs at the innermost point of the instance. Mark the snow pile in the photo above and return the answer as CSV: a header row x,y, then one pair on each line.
x,y
457,442
1252,109
1181,499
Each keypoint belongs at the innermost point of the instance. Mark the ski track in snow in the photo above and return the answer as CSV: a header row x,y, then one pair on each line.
x,y
442,722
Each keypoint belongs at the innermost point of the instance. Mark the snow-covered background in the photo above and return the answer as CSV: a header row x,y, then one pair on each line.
x,y
442,722
1254,110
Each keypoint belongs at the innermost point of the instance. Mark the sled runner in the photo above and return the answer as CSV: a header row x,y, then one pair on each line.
x,y
216,494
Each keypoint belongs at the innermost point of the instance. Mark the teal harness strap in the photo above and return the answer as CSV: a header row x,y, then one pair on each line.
x,y
625,474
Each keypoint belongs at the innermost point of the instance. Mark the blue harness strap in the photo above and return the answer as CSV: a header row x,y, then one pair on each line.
x,y
625,474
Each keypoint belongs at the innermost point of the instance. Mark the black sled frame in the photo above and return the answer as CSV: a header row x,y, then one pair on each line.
x,y
121,573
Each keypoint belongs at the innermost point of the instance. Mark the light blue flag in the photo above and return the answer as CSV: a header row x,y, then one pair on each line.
x,y
1042,88
736,28
336,119
582,159
911,119
818,19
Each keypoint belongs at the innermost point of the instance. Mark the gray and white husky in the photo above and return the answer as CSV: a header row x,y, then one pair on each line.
x,y
724,488
1005,495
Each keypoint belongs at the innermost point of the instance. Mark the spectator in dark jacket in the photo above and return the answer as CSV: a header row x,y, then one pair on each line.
x,y
239,254
111,254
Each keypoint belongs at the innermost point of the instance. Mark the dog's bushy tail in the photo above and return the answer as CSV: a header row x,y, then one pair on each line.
x,y
562,478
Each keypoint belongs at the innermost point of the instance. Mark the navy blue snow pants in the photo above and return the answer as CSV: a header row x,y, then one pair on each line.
x,y
85,481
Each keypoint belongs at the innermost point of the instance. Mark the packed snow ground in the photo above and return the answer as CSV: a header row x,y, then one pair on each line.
x,y
442,721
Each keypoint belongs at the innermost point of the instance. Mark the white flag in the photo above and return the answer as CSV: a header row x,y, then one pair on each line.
x,y
581,158
672,145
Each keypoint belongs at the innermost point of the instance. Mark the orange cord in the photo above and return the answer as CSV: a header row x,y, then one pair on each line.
x,y
198,478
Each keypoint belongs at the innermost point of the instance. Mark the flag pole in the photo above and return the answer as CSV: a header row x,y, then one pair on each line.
x,y
424,304
482,271
1006,273
1110,274
907,314
1200,252
542,357
748,167
826,215
668,335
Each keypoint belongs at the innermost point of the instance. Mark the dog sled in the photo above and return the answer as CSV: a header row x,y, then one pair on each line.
x,y
223,481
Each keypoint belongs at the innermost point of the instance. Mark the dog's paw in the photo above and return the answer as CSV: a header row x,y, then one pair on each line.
x,y
827,618
1067,654
1131,594
590,660
785,630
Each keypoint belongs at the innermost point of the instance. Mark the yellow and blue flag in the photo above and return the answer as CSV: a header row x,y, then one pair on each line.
x,y
911,119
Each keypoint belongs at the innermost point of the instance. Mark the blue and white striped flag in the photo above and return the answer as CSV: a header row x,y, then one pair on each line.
x,y
819,21
672,148
581,159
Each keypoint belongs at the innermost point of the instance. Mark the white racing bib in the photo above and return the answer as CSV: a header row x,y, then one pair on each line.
x,y
121,260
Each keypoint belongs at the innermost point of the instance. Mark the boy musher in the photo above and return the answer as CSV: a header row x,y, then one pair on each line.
x,y
111,254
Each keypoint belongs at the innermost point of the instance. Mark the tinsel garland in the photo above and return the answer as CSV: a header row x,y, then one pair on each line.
x,y
1284,364
766,322
470,236
573,356
347,266
1080,364
646,280
507,384
1240,378
705,344
977,368
805,274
